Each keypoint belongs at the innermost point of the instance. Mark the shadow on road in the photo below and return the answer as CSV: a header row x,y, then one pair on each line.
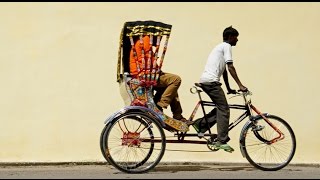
x,y
198,168
178,168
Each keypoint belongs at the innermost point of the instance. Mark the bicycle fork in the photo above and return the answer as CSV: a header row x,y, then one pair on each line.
x,y
281,135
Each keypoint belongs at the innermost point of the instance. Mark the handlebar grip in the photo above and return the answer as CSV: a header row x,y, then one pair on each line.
x,y
246,90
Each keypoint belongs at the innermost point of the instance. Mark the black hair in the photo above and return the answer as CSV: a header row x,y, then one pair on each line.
x,y
229,31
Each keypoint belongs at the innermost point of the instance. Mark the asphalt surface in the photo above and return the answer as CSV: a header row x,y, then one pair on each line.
x,y
161,171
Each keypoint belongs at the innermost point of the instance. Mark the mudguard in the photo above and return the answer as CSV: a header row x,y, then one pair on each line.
x,y
253,118
126,109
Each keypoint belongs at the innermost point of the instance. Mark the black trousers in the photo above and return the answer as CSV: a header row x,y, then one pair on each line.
x,y
211,117
216,94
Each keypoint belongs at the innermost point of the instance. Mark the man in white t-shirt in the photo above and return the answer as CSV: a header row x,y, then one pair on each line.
x,y
219,60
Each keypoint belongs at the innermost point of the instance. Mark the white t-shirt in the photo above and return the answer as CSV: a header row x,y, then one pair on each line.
x,y
216,63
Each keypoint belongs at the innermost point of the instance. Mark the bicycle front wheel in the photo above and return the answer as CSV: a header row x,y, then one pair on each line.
x,y
268,147
133,142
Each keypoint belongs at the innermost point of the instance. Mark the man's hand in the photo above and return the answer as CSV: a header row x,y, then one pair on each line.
x,y
231,91
243,88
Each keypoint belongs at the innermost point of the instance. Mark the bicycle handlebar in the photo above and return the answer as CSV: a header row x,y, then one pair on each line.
x,y
195,89
242,93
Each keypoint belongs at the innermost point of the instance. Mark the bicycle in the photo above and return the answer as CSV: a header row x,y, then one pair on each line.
x,y
133,139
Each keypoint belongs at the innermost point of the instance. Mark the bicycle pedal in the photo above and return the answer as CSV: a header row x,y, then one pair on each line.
x,y
211,147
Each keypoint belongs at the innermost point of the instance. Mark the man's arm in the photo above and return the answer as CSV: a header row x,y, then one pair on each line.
x,y
226,81
233,73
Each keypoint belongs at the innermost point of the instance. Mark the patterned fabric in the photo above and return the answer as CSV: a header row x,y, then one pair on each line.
x,y
135,29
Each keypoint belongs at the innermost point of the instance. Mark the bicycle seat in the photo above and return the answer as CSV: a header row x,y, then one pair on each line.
x,y
198,85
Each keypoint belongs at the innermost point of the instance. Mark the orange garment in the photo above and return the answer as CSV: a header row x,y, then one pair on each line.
x,y
146,47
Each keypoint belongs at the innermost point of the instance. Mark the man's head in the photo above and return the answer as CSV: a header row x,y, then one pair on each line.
x,y
230,35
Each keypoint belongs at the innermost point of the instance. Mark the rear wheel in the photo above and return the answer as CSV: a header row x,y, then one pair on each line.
x,y
264,147
133,142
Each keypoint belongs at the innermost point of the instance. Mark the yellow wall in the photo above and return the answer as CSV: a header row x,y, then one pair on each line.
x,y
58,71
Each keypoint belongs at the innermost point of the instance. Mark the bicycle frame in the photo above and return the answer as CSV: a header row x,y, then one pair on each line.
x,y
248,112
204,104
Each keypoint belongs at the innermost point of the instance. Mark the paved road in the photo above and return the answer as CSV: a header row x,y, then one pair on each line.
x,y
161,171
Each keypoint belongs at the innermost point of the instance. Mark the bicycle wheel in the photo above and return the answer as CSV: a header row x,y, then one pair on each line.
x,y
102,144
102,147
264,147
133,142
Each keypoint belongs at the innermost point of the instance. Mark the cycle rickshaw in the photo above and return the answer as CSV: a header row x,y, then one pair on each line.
x,y
133,138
